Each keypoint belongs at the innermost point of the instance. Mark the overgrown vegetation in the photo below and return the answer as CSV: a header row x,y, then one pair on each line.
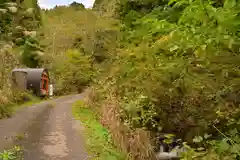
x,y
155,66
98,140
177,69
14,153
75,72
19,47
80,40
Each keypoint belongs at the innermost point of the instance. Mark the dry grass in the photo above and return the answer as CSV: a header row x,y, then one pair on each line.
x,y
9,96
98,140
136,144
8,60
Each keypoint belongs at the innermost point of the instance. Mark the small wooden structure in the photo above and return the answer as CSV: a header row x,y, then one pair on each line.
x,y
34,79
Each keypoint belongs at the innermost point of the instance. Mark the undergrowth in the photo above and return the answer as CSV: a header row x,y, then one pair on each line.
x,y
20,101
176,69
19,43
15,153
98,140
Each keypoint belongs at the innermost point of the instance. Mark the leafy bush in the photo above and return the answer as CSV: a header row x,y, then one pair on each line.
x,y
175,72
225,148
17,25
83,30
74,73
14,153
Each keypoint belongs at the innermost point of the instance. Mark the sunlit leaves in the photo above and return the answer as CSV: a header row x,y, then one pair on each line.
x,y
229,4
14,153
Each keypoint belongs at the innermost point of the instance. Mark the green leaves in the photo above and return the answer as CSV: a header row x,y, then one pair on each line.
x,y
181,66
12,154
179,3
229,4
198,139
206,136
139,112
223,146
174,48
73,73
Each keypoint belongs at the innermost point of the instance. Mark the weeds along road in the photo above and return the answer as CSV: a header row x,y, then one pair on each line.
x,y
46,131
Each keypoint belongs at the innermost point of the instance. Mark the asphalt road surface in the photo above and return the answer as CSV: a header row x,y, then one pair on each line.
x,y
46,131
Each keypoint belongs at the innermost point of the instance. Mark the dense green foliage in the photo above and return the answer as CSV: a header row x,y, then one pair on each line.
x,y
80,40
15,153
20,47
178,68
18,25
75,72
185,64
167,66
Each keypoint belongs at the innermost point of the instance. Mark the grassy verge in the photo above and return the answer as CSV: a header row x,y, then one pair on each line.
x,y
8,110
34,100
98,140
16,107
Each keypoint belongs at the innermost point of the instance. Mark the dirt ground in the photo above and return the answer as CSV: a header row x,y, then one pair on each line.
x,y
46,131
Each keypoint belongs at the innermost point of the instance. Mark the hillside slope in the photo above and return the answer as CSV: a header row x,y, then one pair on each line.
x,y
176,72
19,41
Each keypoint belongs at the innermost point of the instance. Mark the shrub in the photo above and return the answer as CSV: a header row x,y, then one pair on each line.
x,y
174,74
15,27
74,73
15,153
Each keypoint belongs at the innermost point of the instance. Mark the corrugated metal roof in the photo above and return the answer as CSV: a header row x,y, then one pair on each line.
x,y
28,70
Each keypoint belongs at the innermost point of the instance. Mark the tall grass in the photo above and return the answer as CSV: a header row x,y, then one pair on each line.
x,y
98,139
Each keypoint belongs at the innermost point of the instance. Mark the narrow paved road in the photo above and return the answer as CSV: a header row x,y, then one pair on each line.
x,y
53,134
